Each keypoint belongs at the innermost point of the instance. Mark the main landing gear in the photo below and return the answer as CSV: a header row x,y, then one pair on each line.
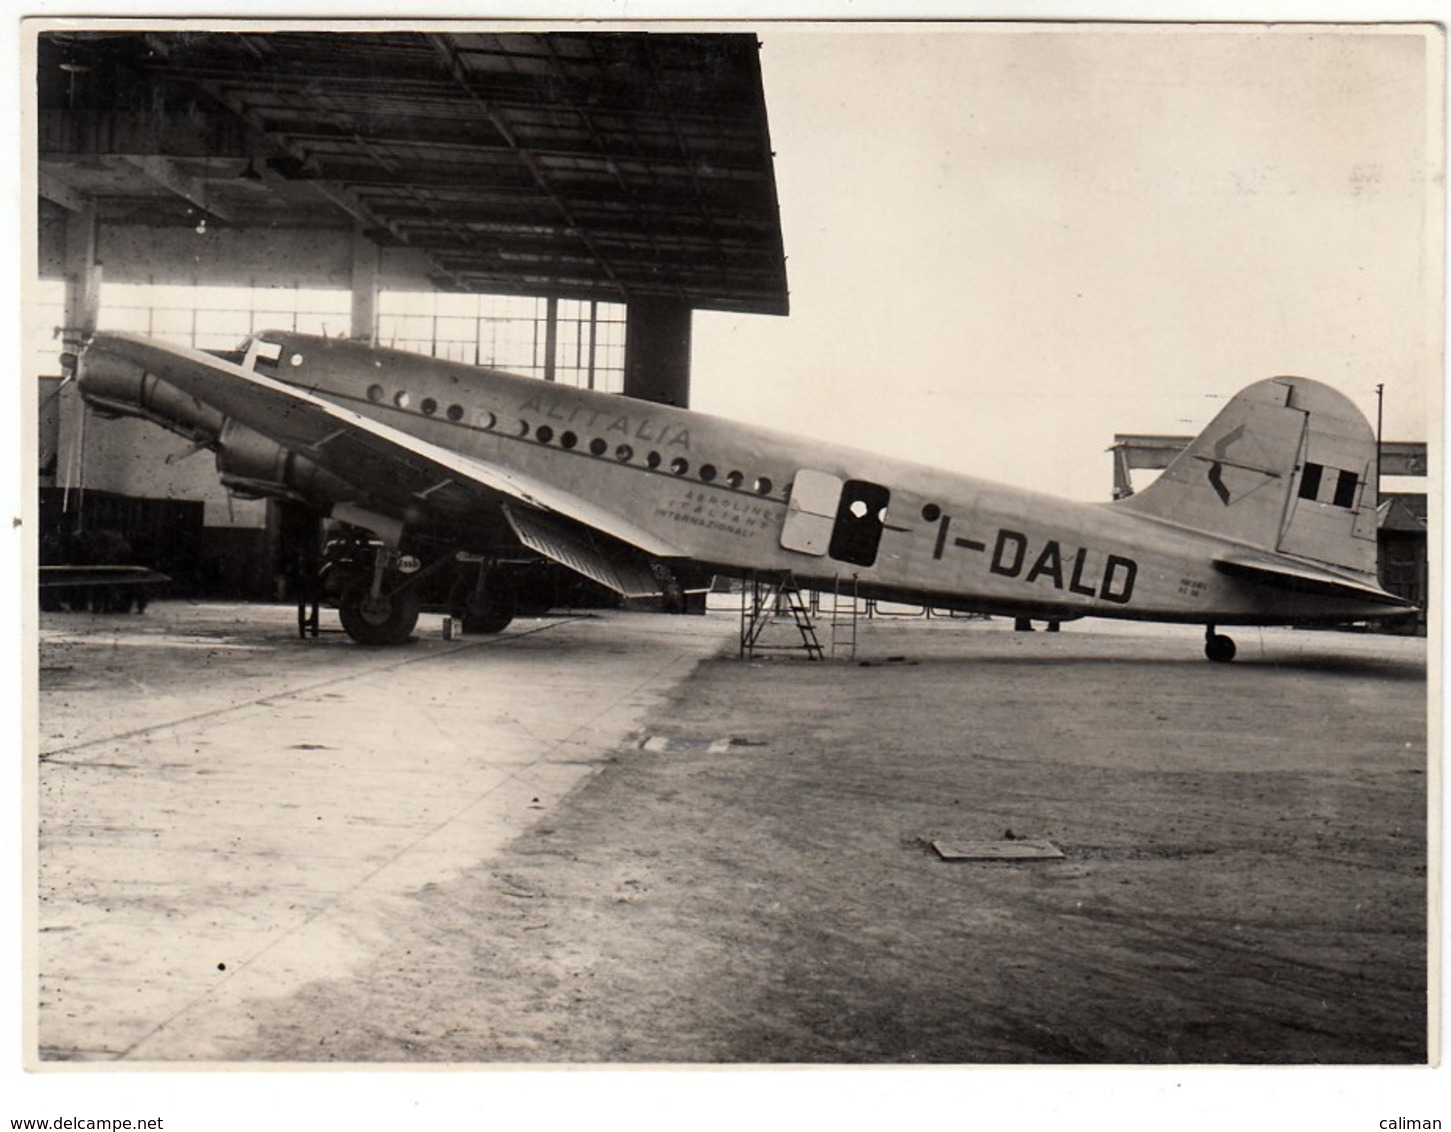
x,y
378,619
380,606
1217,647
482,599
378,590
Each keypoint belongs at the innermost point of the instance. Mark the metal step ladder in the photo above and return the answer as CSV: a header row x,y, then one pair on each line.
x,y
846,608
763,599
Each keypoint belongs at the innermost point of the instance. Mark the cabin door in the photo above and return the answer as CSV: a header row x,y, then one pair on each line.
x,y
827,515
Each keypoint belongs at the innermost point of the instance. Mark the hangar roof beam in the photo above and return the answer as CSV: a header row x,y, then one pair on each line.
x,y
481,152
458,71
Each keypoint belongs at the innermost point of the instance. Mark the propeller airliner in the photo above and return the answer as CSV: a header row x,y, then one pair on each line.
x,y
1267,518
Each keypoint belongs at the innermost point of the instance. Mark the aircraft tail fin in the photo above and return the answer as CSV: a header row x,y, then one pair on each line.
x,y
1288,466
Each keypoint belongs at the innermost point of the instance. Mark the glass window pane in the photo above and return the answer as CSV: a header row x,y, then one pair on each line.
x,y
456,351
220,298
221,330
173,325
464,306
405,302
177,296
49,320
329,324
126,294
135,319
319,301
230,322
456,329
416,328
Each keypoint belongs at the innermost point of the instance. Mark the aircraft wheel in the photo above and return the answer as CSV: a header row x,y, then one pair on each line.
x,y
493,617
533,592
1219,648
387,619
486,612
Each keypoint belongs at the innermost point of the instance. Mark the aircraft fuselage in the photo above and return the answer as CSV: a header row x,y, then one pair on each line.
x,y
738,498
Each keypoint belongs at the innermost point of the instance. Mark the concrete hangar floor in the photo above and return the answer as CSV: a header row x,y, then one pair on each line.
x,y
606,839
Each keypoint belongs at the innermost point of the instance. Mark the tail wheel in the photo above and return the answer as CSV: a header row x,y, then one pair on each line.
x,y
1219,648
387,619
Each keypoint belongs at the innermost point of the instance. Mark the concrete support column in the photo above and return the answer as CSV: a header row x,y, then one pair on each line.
x,y
551,336
366,272
657,351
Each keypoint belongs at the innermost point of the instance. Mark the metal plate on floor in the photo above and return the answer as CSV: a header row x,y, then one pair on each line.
x,y
1015,850
666,744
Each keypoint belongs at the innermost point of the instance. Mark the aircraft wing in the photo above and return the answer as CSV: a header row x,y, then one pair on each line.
x,y
1302,577
628,576
359,449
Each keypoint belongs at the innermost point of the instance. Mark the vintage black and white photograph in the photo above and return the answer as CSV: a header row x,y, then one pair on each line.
x,y
734,545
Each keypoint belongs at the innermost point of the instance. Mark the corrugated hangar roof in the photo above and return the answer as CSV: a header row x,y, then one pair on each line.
x,y
600,165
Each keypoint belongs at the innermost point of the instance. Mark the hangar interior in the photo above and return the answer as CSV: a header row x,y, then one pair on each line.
x,y
553,204
545,846
556,204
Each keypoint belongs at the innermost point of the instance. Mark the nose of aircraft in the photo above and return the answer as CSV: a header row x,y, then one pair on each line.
x,y
101,374
118,385
108,381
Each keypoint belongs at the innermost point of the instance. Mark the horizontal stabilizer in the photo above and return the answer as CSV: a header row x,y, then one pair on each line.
x,y
1302,577
625,572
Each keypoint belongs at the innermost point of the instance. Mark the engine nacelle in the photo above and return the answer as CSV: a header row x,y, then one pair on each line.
x,y
256,466
116,387
248,463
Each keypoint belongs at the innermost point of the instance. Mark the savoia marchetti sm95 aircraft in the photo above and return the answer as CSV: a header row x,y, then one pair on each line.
x,y
1268,517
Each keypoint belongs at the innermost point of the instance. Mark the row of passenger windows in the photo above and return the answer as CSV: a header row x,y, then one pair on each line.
x,y
625,453
544,434
428,406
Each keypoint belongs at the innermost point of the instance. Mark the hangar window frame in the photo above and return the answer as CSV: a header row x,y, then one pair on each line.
x,y
510,332
49,306
220,318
